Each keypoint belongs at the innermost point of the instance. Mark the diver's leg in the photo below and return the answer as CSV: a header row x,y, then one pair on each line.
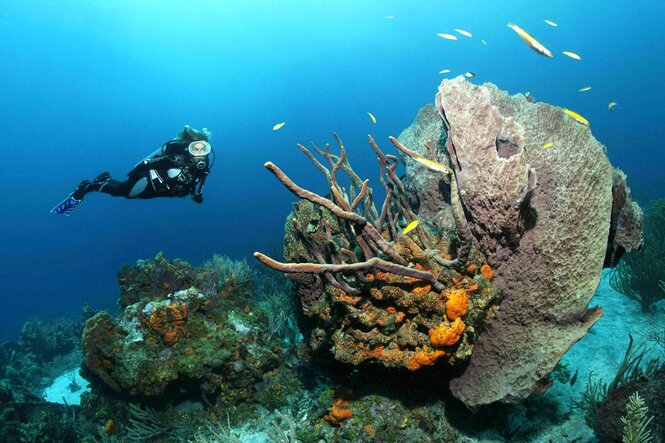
x,y
116,188
135,187
90,186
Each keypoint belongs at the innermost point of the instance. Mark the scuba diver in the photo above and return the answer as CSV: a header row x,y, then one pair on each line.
x,y
178,169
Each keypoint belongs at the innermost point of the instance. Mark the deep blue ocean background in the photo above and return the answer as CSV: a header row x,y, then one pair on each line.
x,y
92,86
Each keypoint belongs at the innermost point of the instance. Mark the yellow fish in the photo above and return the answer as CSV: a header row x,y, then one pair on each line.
x,y
585,89
464,33
433,166
389,17
278,125
410,227
551,23
578,118
548,145
372,117
445,71
483,42
572,55
612,105
532,42
469,74
447,36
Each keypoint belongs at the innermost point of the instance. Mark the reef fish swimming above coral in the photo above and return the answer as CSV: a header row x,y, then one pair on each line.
x,y
498,273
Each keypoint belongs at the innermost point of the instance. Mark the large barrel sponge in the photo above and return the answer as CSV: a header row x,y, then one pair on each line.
x,y
542,216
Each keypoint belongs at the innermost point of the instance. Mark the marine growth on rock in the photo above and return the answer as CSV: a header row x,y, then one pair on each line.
x,y
497,274
181,327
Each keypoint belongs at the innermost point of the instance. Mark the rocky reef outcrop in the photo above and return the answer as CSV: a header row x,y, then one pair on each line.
x,y
180,329
485,254
375,291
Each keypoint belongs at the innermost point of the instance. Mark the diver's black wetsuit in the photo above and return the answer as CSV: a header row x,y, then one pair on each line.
x,y
170,172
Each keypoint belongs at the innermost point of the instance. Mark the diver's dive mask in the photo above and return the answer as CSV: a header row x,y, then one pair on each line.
x,y
199,151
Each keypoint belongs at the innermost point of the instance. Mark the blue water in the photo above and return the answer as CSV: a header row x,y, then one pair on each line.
x,y
89,86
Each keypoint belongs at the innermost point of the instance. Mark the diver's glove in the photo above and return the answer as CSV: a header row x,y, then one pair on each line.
x,y
197,192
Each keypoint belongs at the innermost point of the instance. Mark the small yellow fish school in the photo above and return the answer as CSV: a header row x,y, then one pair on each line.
x,y
531,41
278,125
433,166
464,33
410,227
575,116
572,55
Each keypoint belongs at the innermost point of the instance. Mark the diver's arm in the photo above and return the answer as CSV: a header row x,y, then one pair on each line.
x,y
197,191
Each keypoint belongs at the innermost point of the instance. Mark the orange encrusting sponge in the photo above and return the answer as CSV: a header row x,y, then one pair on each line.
x,y
457,304
486,271
425,357
339,412
446,334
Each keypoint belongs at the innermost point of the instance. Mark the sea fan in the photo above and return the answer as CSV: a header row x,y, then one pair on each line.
x,y
636,422
232,277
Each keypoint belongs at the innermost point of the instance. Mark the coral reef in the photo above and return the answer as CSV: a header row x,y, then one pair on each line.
x,y
640,273
375,294
36,421
46,338
27,417
498,217
174,336
158,278
46,349
279,401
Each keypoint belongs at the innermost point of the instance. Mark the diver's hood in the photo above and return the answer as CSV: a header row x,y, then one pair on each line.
x,y
199,148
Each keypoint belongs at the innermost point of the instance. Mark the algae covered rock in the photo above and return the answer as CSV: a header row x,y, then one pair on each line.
x,y
170,336
379,316
47,338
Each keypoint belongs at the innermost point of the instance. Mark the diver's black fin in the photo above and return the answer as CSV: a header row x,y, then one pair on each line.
x,y
67,206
